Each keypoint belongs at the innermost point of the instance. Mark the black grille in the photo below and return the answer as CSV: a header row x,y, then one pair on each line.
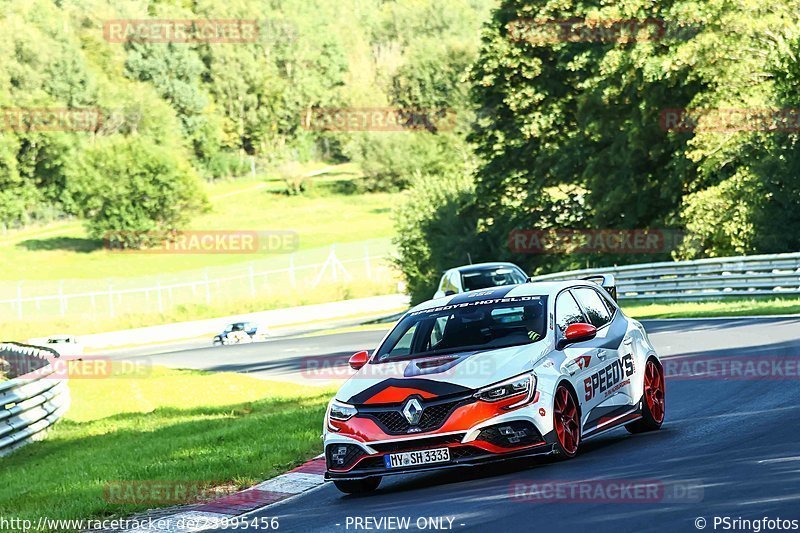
x,y
435,415
371,462
416,444
342,456
393,422
511,434
465,452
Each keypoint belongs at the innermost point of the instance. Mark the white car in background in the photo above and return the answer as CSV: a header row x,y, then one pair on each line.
x,y
480,276
241,333
65,345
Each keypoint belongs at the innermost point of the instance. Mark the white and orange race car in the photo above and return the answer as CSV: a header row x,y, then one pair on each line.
x,y
529,369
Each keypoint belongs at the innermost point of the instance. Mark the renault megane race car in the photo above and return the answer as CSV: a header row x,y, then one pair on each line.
x,y
529,369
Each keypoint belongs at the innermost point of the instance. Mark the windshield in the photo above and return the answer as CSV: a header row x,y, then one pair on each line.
x,y
491,277
476,325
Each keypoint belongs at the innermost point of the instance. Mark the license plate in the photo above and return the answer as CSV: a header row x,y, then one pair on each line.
x,y
421,457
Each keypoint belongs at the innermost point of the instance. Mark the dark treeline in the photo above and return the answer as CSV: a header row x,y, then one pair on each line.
x,y
583,128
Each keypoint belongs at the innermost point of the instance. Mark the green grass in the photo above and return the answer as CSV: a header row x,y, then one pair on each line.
x,y
331,212
60,258
719,308
218,431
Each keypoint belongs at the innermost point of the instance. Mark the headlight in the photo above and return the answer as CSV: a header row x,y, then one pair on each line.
x,y
523,386
341,411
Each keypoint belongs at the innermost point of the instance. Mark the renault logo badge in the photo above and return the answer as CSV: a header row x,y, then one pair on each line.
x,y
412,411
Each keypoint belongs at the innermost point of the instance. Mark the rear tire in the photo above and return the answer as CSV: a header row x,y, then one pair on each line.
x,y
357,486
653,400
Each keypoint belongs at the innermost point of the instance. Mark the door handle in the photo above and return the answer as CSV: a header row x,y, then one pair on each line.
x,y
601,354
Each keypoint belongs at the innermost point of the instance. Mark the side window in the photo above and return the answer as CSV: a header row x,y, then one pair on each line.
x,y
518,277
610,305
453,283
443,283
567,311
437,332
595,307
403,346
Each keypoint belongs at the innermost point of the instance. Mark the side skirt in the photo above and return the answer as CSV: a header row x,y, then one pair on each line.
x,y
625,418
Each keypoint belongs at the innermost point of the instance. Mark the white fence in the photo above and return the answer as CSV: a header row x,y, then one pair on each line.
x,y
29,405
757,275
366,261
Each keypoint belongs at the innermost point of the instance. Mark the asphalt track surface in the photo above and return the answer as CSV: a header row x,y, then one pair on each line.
x,y
733,444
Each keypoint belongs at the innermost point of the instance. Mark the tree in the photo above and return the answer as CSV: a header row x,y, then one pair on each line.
x,y
133,185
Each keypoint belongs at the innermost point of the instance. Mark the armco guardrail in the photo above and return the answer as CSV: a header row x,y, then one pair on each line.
x,y
34,399
702,279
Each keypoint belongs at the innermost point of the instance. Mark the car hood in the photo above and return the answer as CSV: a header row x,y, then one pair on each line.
x,y
437,376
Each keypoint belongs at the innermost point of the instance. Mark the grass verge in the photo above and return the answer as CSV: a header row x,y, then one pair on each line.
x,y
719,308
215,430
333,211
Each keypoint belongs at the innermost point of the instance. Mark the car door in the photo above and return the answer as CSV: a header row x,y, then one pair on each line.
x,y
581,358
610,384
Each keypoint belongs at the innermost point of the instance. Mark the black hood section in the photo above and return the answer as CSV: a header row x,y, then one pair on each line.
x,y
436,388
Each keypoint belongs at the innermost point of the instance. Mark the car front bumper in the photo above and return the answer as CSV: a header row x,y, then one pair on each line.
x,y
472,460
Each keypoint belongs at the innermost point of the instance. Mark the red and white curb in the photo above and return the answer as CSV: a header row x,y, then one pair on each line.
x,y
214,514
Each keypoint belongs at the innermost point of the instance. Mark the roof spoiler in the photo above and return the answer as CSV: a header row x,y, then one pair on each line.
x,y
606,281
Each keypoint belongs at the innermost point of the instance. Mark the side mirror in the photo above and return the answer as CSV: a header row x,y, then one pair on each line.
x,y
577,333
449,293
359,359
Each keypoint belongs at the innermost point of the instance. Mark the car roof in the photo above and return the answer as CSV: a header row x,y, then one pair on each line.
x,y
536,288
482,266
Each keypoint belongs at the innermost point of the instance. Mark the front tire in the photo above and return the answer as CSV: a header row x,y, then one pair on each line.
x,y
357,486
566,422
653,400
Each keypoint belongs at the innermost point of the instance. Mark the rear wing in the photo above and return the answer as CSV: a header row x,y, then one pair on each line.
x,y
606,281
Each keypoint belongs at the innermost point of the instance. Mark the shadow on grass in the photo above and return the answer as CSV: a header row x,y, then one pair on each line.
x,y
343,187
232,445
71,244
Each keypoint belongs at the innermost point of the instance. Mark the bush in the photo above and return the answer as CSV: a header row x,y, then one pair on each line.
x,y
390,161
437,230
297,181
226,165
133,185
